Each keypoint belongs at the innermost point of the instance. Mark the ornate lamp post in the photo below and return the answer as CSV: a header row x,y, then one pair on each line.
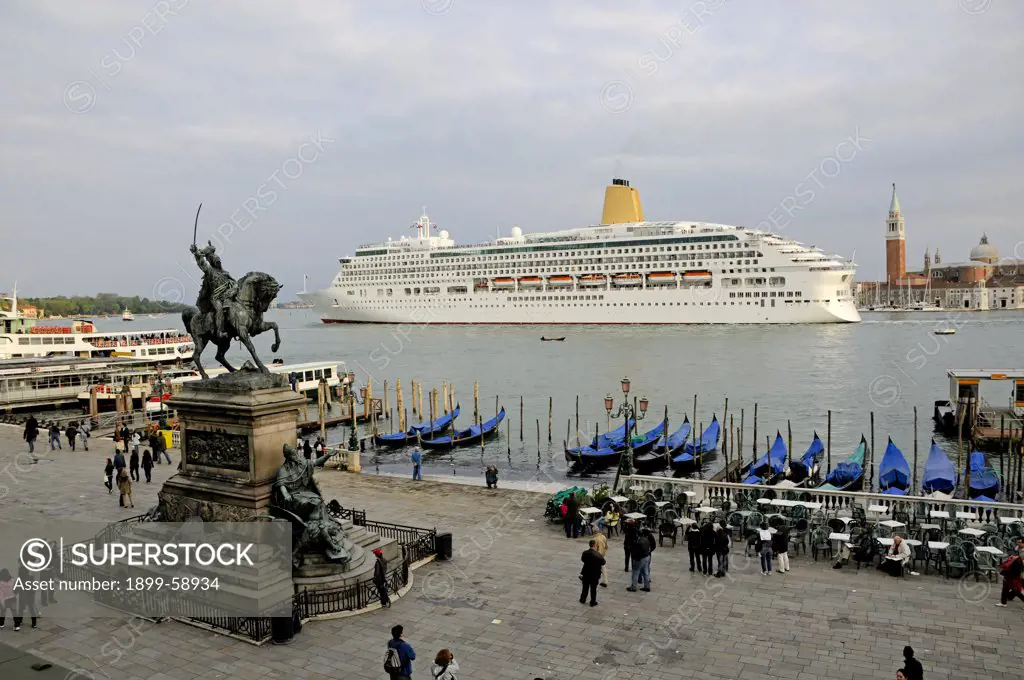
x,y
628,412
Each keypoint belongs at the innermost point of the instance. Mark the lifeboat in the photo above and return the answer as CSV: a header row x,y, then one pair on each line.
x,y
697,274
559,281
592,280
504,282
627,280
661,278
530,282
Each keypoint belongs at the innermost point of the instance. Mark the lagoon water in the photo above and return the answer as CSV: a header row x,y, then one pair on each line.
x,y
888,364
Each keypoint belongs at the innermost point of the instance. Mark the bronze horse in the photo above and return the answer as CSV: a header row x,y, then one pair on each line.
x,y
243,319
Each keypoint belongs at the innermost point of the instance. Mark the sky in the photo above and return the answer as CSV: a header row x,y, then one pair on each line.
x,y
307,128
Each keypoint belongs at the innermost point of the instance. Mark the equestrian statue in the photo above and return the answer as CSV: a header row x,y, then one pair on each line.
x,y
227,309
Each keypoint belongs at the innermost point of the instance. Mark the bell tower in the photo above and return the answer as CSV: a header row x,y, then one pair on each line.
x,y
895,242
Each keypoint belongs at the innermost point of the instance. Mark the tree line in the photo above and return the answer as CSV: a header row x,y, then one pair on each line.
x,y
101,303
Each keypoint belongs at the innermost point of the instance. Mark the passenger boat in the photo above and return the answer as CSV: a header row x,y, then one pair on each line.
x,y
127,315
530,282
471,435
848,475
802,471
940,475
769,468
893,471
305,376
23,337
984,484
627,279
560,281
592,280
429,429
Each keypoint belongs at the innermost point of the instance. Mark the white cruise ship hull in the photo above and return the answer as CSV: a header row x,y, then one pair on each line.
x,y
650,306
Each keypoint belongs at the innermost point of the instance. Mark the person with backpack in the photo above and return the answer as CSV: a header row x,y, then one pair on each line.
x,y
399,657
445,666
641,555
72,434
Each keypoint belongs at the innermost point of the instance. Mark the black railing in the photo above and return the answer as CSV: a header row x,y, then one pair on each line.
x,y
310,603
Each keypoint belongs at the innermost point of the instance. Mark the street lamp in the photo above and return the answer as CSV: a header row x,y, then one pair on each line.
x,y
628,413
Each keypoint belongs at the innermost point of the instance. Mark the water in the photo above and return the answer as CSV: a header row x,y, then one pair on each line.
x,y
887,364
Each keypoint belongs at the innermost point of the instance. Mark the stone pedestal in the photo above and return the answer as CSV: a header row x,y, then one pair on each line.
x,y
233,429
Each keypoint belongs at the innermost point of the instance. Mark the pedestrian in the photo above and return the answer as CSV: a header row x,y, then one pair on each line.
x,y
629,534
398,663
491,477
723,544
445,666
108,475
8,601
912,669
72,434
572,511
136,441
125,437
31,433
764,537
26,599
307,450
707,547
593,567
119,461
1011,569
641,556
161,448
693,546
601,546
652,542
380,577
417,464
54,436
133,465
780,546
124,485
152,439
83,432
147,465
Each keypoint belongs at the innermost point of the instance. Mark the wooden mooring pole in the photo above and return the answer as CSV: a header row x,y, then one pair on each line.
x,y
871,479
520,417
725,437
828,445
551,408
753,456
913,470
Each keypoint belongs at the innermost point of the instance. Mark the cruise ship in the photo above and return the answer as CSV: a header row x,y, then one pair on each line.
x,y
626,270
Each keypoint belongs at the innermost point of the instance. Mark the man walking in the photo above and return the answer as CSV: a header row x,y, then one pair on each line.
x,y
31,433
83,432
912,669
593,567
417,464
161,448
380,577
72,434
641,554
398,664
693,546
54,436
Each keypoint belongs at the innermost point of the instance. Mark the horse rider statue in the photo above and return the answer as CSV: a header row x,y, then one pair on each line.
x,y
218,289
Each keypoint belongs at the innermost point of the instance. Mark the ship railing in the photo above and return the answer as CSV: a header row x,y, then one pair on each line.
x,y
715,494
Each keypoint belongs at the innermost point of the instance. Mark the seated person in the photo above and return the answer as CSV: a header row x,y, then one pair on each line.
x,y
610,519
896,557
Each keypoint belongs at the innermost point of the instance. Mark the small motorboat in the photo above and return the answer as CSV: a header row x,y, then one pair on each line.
x,y
945,331
561,339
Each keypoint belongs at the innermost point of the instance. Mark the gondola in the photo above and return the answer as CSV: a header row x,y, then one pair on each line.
x,y
984,480
769,468
664,449
616,439
611,450
561,339
940,475
426,429
471,435
893,471
802,471
848,475
686,461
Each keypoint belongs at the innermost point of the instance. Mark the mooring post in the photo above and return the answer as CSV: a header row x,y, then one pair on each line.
x,y
551,407
828,445
871,479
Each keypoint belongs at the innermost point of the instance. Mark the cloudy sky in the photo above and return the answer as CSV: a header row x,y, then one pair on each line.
x,y
309,127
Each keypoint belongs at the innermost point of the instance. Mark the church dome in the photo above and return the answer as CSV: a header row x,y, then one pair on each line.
x,y
983,252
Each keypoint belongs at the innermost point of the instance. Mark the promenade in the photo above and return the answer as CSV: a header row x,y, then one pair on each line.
x,y
507,605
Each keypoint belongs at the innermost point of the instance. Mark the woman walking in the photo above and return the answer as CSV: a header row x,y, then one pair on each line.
x,y
108,473
445,666
764,535
124,485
